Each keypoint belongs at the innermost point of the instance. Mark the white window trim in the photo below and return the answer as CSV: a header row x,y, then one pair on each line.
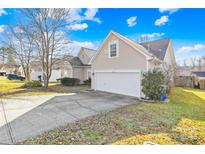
x,y
117,52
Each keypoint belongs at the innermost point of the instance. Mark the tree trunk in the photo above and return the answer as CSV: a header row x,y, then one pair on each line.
x,y
46,83
45,80
27,75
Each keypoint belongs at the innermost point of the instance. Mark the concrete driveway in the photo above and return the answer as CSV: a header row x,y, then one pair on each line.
x,y
31,116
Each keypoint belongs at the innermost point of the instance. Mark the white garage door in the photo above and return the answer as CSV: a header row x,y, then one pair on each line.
x,y
127,83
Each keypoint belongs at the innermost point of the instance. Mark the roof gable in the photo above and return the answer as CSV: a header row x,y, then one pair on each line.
x,y
156,48
128,41
89,53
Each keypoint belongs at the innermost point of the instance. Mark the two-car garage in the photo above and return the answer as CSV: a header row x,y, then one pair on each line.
x,y
126,83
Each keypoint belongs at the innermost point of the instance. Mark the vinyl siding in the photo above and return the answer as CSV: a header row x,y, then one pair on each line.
x,y
128,58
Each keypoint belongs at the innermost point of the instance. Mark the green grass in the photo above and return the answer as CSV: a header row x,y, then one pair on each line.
x,y
182,121
10,88
14,88
7,86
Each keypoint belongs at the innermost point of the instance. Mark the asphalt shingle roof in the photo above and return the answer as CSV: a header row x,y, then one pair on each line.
x,y
75,61
199,74
157,47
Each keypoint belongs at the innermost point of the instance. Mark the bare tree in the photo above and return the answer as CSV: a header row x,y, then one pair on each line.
x,y
199,63
48,26
19,40
185,63
3,54
169,71
193,62
203,59
143,38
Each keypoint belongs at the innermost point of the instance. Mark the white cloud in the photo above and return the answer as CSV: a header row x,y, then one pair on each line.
x,y
153,35
195,47
3,12
169,10
132,21
161,21
78,26
77,16
2,28
86,44
90,15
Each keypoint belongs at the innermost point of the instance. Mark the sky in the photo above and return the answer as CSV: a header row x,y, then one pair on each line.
x,y
186,27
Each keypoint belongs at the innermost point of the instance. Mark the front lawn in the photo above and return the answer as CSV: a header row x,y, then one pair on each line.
x,y
14,88
10,88
182,121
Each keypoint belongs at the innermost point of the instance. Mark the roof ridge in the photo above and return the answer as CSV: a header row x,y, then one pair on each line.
x,y
88,48
168,38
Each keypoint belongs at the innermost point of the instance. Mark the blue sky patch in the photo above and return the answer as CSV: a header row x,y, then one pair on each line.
x,y
186,27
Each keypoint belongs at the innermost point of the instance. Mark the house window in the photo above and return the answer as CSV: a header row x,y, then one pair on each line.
x,y
113,49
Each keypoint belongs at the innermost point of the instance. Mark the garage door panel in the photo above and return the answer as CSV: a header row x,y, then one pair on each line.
x,y
118,82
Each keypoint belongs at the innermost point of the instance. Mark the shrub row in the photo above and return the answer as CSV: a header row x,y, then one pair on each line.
x,y
32,84
70,81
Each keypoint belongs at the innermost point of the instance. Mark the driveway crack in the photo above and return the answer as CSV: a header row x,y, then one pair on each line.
x,y
86,107
53,102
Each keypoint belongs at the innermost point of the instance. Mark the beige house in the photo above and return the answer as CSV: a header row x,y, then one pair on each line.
x,y
81,65
119,63
69,66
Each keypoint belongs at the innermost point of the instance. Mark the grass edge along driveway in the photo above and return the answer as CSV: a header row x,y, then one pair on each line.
x,y
182,121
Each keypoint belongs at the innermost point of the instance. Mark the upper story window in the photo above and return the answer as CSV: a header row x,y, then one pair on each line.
x,y
113,49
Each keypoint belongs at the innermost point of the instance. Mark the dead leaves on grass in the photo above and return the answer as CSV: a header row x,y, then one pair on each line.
x,y
192,131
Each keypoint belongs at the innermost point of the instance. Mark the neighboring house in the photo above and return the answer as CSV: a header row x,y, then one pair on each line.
x,y
186,76
119,63
198,79
187,70
81,64
7,69
70,66
2,71
60,69
183,71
